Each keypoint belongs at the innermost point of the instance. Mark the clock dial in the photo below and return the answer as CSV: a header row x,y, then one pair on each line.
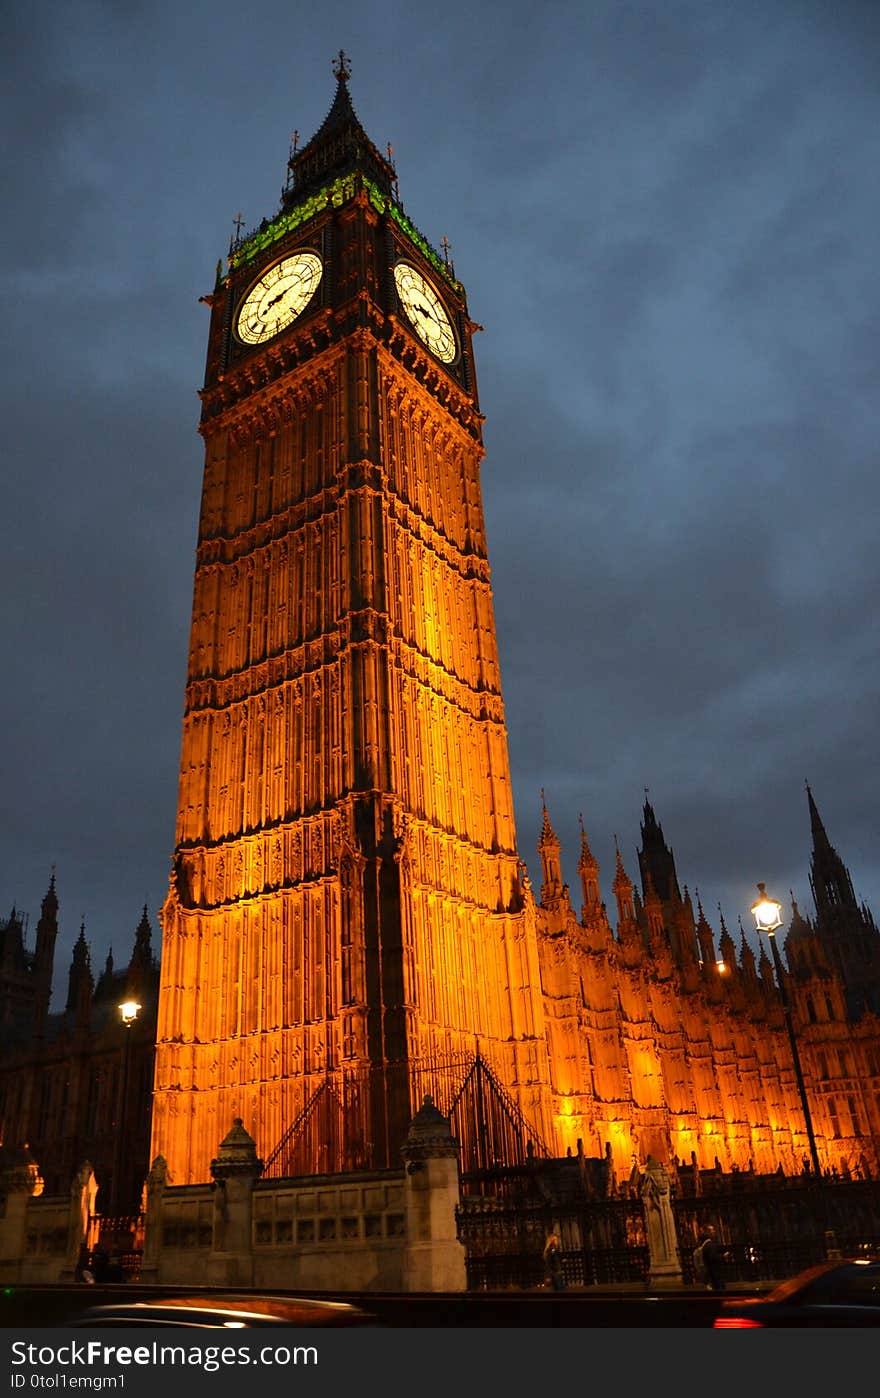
x,y
281,294
425,311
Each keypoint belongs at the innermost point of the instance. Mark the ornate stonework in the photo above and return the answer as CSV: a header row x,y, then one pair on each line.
x,y
347,914
345,897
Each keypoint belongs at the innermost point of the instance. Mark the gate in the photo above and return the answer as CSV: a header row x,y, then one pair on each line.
x,y
603,1241
115,1245
772,1227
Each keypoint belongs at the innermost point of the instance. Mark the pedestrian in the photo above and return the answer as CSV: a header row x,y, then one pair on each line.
x,y
553,1273
710,1256
83,1271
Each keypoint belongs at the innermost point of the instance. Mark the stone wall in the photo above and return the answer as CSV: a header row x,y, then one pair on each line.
x,y
387,1230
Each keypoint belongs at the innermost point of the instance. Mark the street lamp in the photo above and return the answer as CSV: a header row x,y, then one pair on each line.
x,y
767,913
128,1013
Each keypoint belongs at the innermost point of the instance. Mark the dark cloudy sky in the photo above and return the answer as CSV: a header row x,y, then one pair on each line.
x,y
666,217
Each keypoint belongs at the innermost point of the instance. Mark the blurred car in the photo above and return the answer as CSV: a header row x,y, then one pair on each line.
x,y
839,1293
230,1311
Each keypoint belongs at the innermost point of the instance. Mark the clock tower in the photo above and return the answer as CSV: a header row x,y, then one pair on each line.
x,y
345,920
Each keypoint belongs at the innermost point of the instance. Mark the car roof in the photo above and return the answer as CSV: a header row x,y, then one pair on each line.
x,y
228,1309
797,1283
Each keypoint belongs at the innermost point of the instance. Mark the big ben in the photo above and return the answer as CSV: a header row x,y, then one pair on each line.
x,y
345,918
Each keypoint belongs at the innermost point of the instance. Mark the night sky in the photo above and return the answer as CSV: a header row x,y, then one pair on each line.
x,y
666,219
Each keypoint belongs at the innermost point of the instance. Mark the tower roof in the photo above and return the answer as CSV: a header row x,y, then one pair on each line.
x,y
339,145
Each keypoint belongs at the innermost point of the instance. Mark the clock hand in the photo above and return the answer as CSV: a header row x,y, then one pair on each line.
x,y
280,297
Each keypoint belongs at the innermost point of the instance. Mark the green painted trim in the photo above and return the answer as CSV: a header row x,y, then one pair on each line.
x,y
337,194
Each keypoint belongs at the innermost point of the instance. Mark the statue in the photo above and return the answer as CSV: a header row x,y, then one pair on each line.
x,y
656,1196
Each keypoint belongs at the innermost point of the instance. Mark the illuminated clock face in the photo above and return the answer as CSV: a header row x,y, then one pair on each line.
x,y
425,311
281,294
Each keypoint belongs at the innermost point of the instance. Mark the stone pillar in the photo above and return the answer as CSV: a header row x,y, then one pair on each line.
x,y
154,1190
236,1170
20,1181
434,1259
664,1260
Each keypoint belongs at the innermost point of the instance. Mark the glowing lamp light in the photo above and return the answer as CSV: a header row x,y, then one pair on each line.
x,y
722,966
767,912
129,1010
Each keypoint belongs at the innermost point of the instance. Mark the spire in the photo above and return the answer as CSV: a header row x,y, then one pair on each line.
x,y
845,929
588,872
829,876
587,859
746,955
726,948
141,963
80,984
705,939
820,838
552,887
657,859
623,892
339,146
50,898
44,954
799,927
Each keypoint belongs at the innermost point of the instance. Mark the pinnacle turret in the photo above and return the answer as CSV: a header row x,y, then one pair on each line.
x,y
588,872
746,955
80,983
726,948
623,892
705,939
552,887
141,964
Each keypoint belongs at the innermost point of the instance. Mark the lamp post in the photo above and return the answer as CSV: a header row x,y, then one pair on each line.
x,y
128,1013
767,913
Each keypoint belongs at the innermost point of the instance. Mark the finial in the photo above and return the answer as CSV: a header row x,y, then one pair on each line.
x,y
444,243
294,143
341,67
389,152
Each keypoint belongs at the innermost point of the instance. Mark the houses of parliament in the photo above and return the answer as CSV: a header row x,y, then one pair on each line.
x,y
349,923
